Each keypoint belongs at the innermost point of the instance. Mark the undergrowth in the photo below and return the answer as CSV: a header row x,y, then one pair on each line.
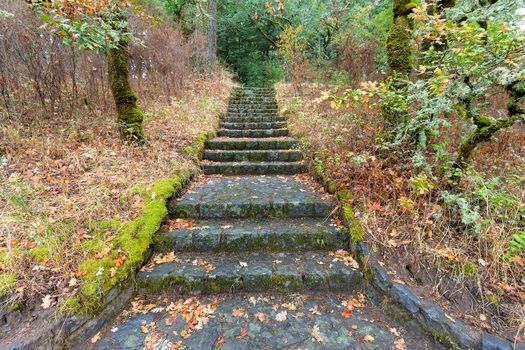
x,y
78,207
467,246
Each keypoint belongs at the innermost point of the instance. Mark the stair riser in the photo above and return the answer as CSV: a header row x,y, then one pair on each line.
x,y
215,210
265,104
252,126
187,279
252,109
254,169
207,241
245,100
253,133
250,144
255,156
250,118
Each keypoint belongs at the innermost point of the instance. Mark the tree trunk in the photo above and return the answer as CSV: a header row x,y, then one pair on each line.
x,y
212,35
129,115
399,56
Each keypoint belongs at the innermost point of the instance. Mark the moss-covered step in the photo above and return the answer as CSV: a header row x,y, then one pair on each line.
x,y
254,103
252,100
254,168
262,106
226,143
253,118
255,235
251,126
252,109
190,273
252,197
253,133
253,156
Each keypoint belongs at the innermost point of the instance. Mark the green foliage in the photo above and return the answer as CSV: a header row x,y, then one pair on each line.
x,y
96,29
257,37
516,245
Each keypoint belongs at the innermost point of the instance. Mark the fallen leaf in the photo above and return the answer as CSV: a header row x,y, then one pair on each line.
x,y
347,313
400,344
316,334
47,302
290,307
260,317
95,338
238,312
368,338
281,316
244,332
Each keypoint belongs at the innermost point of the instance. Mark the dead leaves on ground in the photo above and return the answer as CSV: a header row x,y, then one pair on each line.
x,y
345,257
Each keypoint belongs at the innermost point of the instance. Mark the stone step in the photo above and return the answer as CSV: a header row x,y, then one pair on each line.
x,y
252,109
251,118
251,126
252,197
244,99
253,156
253,133
245,235
227,143
258,321
190,273
254,168
253,104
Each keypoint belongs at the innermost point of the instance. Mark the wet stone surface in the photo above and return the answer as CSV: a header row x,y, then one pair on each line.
x,y
252,196
257,322
190,273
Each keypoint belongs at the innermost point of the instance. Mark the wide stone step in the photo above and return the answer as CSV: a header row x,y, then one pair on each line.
x,y
254,104
253,156
251,126
258,321
190,273
254,168
252,197
254,118
227,143
253,100
253,133
252,109
242,235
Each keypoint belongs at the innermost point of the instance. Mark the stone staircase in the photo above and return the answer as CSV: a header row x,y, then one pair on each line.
x,y
263,230
253,139
256,261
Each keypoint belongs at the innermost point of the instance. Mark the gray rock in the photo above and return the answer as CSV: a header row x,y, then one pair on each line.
x,y
492,342
406,298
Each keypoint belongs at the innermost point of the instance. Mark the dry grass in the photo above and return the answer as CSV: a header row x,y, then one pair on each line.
x,y
418,237
61,178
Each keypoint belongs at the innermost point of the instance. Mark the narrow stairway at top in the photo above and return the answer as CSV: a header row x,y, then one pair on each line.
x,y
257,261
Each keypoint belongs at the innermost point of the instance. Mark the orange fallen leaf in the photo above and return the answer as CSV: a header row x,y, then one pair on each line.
x,y
347,313
244,332
368,338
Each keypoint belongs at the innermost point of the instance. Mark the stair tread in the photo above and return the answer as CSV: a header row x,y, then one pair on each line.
x,y
222,272
252,196
250,235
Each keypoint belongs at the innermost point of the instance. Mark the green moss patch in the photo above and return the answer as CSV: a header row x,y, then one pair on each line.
x,y
7,282
130,248
357,233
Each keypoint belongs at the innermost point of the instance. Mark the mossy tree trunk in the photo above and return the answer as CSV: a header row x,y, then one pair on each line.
x,y
399,56
486,127
129,115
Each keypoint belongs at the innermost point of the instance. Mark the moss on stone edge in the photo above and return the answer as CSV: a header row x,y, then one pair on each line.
x,y
133,241
195,150
357,233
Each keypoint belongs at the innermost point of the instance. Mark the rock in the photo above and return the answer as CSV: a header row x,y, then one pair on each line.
x,y
492,342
